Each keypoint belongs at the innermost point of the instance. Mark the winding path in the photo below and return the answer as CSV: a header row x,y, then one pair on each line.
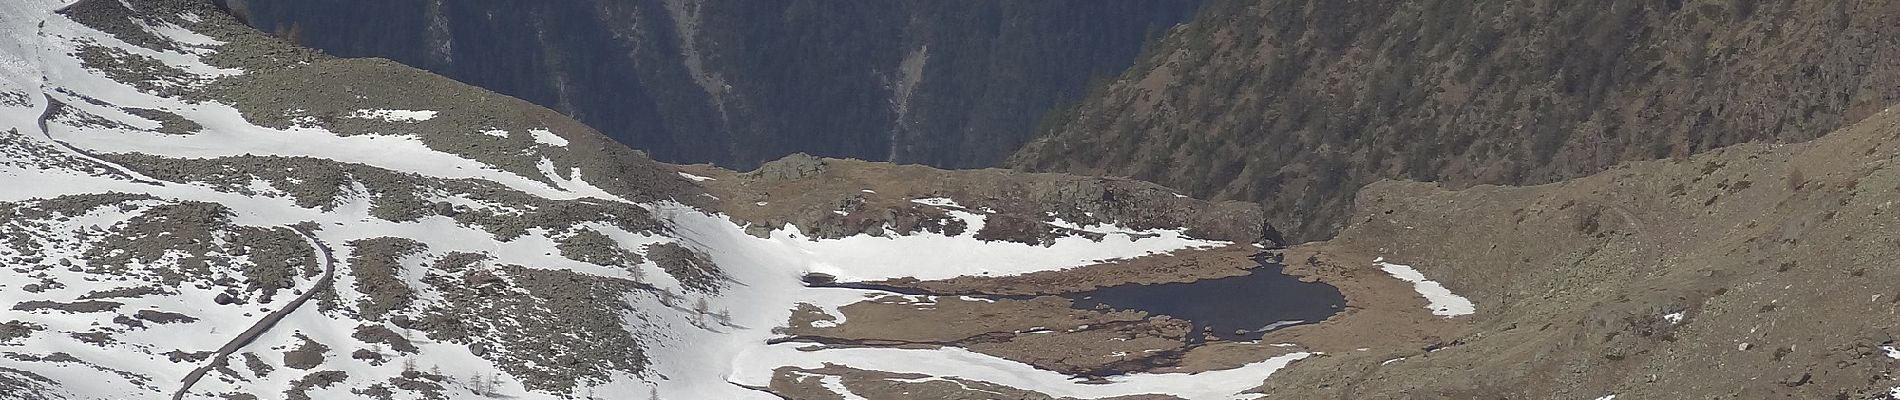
x,y
264,325
47,115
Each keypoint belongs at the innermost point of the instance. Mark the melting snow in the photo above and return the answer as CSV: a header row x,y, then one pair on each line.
x,y
547,137
695,178
769,267
395,115
932,255
938,202
691,358
960,363
1442,301
836,385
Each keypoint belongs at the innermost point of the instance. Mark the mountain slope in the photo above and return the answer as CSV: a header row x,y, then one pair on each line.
x,y
1753,271
1299,104
951,84
190,208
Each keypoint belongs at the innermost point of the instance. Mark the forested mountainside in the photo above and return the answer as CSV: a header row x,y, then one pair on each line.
x,y
952,84
1298,104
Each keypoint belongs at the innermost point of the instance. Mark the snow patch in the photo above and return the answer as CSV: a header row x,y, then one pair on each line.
x,y
395,115
964,364
931,255
548,137
944,202
1442,301
695,178
835,384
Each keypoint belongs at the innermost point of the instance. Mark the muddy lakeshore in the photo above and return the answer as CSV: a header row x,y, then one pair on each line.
x,y
1213,309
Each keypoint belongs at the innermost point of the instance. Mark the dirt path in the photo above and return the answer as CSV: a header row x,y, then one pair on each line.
x,y
264,325
122,171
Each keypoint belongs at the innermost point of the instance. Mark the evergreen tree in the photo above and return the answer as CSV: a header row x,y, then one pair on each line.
x,y
700,308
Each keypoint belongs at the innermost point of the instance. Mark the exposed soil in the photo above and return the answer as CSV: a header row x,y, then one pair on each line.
x,y
1178,266
830,198
1755,271
1384,317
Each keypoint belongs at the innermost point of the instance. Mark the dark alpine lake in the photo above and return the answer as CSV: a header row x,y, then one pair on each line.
x,y
1233,308
1239,308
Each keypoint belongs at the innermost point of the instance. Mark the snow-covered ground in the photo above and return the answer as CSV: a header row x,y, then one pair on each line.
x,y
1440,300
395,115
691,356
770,268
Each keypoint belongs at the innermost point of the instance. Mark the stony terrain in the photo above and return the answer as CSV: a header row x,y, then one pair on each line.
x,y
831,198
194,209
192,251
1752,271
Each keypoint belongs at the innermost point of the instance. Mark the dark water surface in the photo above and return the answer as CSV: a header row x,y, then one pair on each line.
x,y
1233,308
1236,308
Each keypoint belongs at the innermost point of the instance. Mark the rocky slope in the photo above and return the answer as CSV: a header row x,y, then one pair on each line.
x,y
1299,104
957,84
190,208
1753,271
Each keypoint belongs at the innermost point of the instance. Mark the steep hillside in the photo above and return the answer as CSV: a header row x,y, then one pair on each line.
x,y
1297,104
954,84
190,208
1749,272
